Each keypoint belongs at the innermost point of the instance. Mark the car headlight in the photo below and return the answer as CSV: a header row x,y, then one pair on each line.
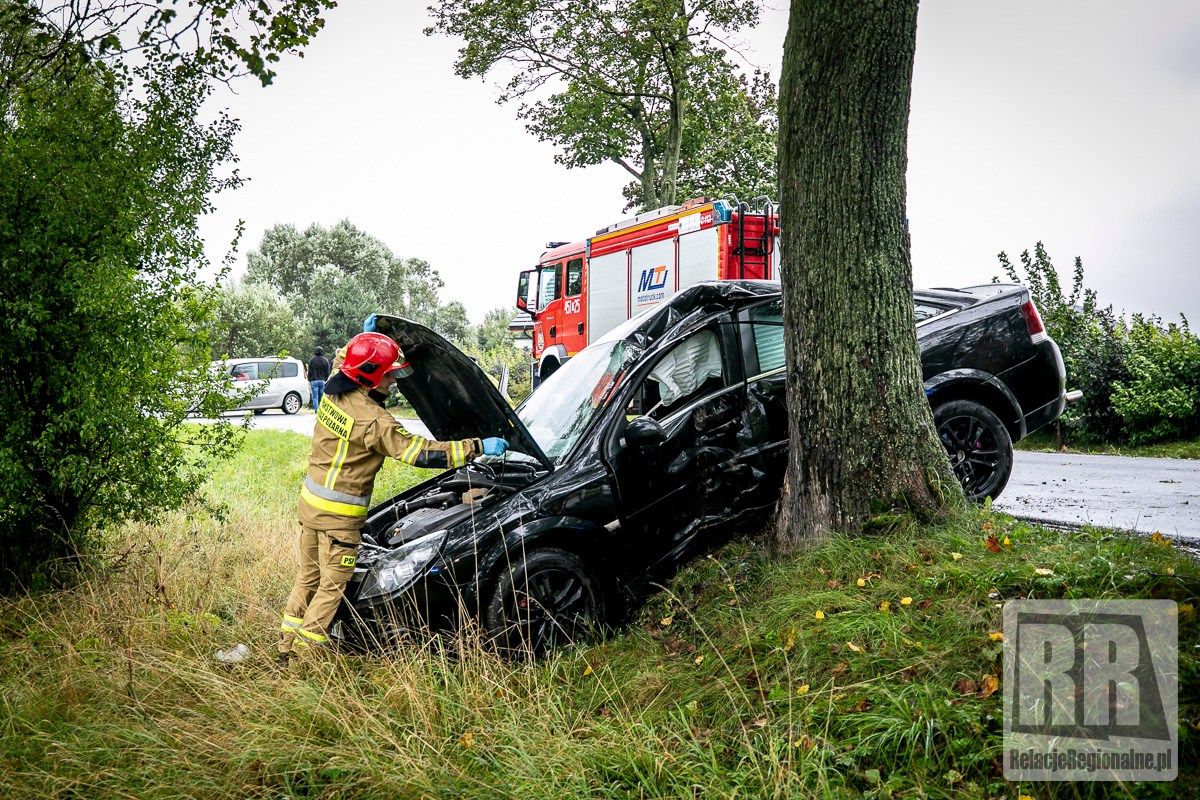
x,y
398,569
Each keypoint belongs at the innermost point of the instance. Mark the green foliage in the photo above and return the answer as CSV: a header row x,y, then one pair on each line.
x,y
252,319
729,140
217,39
647,85
1091,338
1161,398
1140,381
334,277
491,345
104,353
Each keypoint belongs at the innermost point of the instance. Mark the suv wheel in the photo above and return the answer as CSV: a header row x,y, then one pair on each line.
x,y
291,403
543,601
979,447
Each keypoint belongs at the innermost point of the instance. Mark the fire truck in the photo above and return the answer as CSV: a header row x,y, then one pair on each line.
x,y
579,291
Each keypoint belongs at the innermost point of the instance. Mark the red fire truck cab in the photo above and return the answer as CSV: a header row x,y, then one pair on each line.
x,y
579,291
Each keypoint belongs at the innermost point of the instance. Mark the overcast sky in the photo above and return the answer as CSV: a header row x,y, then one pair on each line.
x,y
1073,122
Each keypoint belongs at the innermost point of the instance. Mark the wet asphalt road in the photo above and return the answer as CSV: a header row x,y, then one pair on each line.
x,y
1142,494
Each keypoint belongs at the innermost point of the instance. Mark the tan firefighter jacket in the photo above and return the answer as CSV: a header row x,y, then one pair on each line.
x,y
353,434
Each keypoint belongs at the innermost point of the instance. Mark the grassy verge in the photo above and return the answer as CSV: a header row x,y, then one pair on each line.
x,y
1042,442
747,677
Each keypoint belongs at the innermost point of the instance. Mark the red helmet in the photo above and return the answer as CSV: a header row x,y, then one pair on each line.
x,y
370,356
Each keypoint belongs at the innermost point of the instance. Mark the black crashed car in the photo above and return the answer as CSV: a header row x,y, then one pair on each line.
x,y
654,444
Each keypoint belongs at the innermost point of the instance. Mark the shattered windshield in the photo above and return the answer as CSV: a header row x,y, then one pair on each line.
x,y
559,411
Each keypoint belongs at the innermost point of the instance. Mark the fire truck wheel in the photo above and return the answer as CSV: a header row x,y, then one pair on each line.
x,y
549,367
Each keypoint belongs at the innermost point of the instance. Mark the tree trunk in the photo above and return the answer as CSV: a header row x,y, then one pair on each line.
x,y
861,430
650,175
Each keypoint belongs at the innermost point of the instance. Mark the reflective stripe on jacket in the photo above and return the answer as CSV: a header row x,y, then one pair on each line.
x,y
353,434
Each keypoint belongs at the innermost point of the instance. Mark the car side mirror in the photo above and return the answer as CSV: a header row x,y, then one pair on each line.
x,y
644,433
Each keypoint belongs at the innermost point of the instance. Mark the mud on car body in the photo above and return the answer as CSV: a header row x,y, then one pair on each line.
x,y
654,444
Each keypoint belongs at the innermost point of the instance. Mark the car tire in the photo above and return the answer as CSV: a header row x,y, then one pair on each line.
x,y
258,411
542,601
979,447
291,403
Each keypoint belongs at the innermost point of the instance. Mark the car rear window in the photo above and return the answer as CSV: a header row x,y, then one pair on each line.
x,y
928,310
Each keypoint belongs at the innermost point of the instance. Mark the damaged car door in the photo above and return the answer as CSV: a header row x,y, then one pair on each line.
x,y
677,455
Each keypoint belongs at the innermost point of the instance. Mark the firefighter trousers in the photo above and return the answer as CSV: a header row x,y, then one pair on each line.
x,y
327,561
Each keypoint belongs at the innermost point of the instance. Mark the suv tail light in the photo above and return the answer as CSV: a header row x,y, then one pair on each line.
x,y
1033,322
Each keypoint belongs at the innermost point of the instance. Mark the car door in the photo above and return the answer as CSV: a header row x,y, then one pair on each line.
x,y
270,372
760,331
683,493
245,384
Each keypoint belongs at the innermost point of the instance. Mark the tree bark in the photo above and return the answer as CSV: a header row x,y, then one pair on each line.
x,y
862,435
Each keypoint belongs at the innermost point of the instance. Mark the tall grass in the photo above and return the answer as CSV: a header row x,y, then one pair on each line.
x,y
727,685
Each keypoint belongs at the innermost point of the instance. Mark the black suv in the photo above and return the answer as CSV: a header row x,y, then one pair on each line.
x,y
656,443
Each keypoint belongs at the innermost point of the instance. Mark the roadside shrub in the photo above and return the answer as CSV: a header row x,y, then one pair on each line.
x,y
1160,398
100,188
1092,339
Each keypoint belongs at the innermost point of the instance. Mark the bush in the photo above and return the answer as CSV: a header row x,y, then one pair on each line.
x,y
100,188
1140,381
1160,399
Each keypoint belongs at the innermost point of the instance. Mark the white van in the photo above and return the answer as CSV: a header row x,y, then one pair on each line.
x,y
284,383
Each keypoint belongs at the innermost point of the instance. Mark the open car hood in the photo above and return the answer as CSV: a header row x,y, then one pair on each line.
x,y
450,393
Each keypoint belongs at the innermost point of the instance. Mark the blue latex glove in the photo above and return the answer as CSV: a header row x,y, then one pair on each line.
x,y
494,446
369,324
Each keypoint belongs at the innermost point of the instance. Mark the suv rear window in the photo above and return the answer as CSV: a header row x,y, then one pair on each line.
x,y
927,310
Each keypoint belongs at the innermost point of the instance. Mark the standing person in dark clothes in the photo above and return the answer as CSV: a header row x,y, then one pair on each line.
x,y
318,373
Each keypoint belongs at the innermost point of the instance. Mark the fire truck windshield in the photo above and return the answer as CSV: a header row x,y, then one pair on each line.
x,y
559,411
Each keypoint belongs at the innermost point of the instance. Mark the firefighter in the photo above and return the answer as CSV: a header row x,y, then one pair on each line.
x,y
352,436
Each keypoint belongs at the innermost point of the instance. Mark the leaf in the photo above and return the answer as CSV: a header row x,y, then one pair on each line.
x,y
854,647
996,636
956,556
819,614
991,543
666,621
885,605
588,670
989,685
698,660
966,686
906,601
861,582
873,776
1007,542
1044,571
1160,540
802,689
467,740
790,641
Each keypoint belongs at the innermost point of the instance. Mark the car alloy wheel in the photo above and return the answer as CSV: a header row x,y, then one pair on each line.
x,y
291,403
543,602
978,445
